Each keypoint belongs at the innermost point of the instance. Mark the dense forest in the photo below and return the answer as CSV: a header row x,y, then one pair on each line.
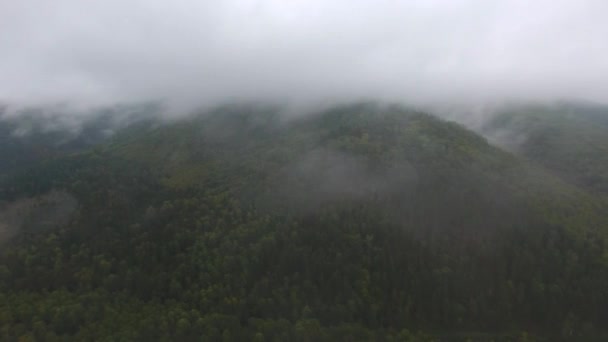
x,y
569,139
359,223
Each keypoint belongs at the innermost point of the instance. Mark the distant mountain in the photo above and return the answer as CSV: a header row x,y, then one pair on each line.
x,y
29,136
358,223
570,139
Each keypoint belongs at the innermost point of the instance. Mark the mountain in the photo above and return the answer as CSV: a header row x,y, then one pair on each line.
x,y
361,222
29,136
570,139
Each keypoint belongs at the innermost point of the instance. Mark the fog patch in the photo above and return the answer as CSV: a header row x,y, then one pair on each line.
x,y
36,213
325,176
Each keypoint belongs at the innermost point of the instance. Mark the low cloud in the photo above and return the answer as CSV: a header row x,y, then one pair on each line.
x,y
324,176
191,53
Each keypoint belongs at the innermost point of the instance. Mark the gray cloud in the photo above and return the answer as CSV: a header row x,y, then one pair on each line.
x,y
191,53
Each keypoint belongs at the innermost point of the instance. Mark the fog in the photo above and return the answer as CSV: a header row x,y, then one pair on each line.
x,y
190,53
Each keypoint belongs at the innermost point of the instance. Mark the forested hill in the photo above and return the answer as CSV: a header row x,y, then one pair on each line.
x,y
570,139
31,135
359,223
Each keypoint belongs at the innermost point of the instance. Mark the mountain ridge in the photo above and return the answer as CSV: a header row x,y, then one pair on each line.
x,y
362,222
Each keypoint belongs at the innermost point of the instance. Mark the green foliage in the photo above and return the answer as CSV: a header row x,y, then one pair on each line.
x,y
570,140
360,224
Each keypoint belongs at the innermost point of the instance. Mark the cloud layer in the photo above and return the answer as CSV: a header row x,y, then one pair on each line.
x,y
190,52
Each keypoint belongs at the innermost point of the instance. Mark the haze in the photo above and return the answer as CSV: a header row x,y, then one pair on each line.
x,y
193,53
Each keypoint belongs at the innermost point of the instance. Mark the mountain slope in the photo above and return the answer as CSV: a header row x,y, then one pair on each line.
x,y
30,136
362,222
569,139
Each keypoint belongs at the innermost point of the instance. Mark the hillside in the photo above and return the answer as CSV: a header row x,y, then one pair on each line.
x,y
359,223
32,135
570,139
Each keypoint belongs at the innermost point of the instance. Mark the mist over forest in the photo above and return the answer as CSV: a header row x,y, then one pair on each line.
x,y
261,170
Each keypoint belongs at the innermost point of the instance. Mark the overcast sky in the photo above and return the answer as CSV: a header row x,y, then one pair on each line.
x,y
194,52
